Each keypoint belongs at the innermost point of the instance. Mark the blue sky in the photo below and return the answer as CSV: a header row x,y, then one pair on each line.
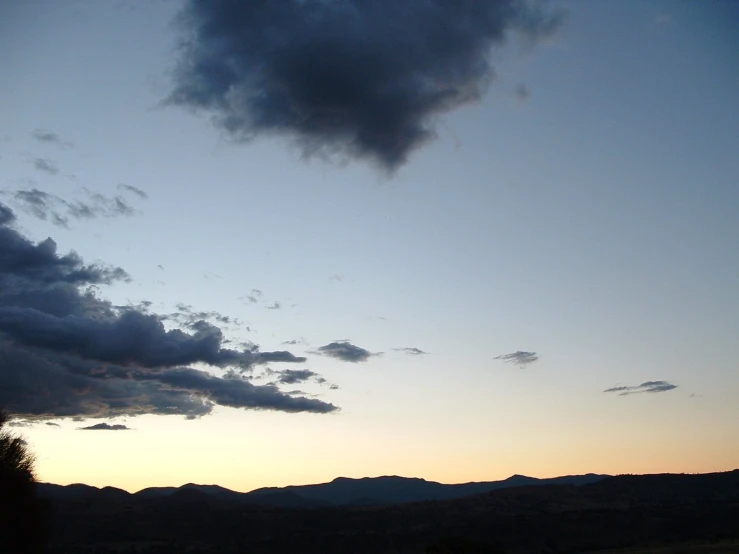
x,y
585,209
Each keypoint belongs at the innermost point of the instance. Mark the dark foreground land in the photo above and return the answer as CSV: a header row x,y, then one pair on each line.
x,y
645,514
719,547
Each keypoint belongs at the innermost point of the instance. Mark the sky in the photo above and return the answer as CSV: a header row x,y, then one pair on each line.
x,y
261,244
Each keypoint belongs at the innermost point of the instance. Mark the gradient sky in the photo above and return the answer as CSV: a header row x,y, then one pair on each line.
x,y
585,209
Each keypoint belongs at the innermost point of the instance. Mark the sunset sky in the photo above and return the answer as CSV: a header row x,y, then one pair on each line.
x,y
448,239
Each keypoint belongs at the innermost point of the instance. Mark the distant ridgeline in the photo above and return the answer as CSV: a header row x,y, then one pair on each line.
x,y
520,515
342,491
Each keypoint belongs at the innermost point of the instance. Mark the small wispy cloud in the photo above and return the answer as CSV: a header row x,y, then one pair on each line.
x,y
21,423
49,137
345,351
52,424
45,165
294,376
105,427
664,19
134,190
187,316
411,351
520,358
59,211
274,306
521,93
647,386
253,297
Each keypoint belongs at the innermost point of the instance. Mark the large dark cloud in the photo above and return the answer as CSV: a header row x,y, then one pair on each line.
x,y
129,338
520,358
66,352
6,215
345,351
364,79
647,386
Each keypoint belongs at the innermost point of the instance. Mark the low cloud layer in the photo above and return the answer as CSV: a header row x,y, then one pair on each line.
x,y
57,210
519,358
364,80
105,427
647,386
67,352
345,351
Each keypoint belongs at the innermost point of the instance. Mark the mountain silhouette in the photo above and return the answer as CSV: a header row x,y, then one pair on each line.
x,y
553,516
342,491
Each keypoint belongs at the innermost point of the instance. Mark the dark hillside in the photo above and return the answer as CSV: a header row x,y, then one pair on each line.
x,y
616,512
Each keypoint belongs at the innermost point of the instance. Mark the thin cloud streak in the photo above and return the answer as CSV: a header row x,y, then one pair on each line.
x,y
134,190
647,386
411,351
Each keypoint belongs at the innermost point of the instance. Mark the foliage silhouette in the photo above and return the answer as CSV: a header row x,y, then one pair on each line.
x,y
22,514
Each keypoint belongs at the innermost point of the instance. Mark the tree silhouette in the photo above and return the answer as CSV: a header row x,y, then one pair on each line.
x,y
22,521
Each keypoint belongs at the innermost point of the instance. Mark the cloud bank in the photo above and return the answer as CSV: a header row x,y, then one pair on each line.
x,y
647,386
357,79
67,352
